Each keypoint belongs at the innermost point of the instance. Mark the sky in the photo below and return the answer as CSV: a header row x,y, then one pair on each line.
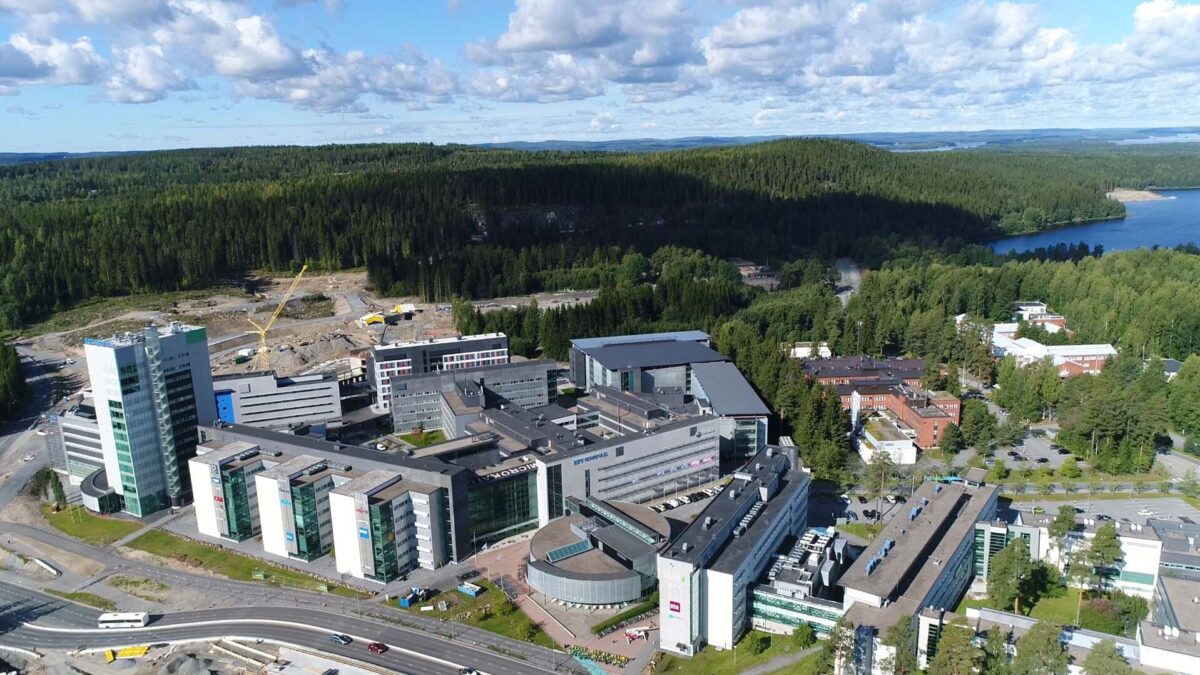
x,y
98,75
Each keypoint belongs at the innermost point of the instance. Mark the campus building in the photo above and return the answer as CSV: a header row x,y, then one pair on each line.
x,y
398,525
800,585
1069,360
705,574
401,360
677,365
302,496
600,553
1136,573
452,399
920,415
73,445
923,557
150,389
865,370
263,399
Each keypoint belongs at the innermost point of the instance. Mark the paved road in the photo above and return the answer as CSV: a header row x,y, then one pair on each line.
x,y
38,621
849,279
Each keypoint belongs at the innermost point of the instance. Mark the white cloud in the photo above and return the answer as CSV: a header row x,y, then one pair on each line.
x,y
144,74
58,61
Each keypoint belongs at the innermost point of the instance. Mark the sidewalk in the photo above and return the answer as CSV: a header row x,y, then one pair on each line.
x,y
779,663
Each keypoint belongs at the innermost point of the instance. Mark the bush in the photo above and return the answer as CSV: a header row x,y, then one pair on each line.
x,y
1115,613
758,643
804,636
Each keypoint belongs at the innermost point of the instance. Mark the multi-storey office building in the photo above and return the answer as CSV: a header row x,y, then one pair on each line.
x,y
73,443
721,391
293,499
266,400
285,484
406,359
1141,551
800,586
451,399
704,576
923,557
151,390
397,526
681,366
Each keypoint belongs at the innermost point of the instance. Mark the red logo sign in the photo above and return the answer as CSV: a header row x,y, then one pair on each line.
x,y
675,606
218,499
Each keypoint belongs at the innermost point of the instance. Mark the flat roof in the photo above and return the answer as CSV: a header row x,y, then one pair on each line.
x,y
946,514
677,336
1181,594
864,366
439,341
727,390
137,337
733,501
662,353
884,429
1084,524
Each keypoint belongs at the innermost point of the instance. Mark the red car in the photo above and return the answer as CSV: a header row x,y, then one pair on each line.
x,y
377,648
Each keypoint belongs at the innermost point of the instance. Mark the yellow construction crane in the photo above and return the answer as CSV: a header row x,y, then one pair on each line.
x,y
262,360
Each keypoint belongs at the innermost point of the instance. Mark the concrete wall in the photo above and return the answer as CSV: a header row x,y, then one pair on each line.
x,y
271,516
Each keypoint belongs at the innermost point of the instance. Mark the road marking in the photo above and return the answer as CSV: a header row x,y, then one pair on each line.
x,y
100,633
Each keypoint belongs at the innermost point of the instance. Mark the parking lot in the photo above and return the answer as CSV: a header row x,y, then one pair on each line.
x,y
1134,510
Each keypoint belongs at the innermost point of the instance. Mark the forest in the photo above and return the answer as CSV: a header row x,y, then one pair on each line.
x,y
12,384
1138,300
439,221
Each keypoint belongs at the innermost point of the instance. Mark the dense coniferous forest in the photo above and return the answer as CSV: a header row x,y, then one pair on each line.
x,y
12,385
440,221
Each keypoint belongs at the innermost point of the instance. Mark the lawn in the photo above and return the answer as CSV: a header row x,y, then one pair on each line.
x,y
1057,610
89,528
423,439
711,661
806,666
865,531
232,565
85,598
474,612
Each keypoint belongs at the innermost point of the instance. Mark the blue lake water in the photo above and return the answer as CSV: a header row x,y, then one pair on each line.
x,y
1164,222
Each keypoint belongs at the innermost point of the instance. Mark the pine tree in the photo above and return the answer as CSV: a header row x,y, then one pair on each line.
x,y
1039,651
1010,576
956,650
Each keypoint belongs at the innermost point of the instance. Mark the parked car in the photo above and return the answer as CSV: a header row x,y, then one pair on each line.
x,y
862,499
657,508
1145,512
1103,517
1061,450
851,516
685,499
673,503
467,671
1014,454
1039,509
377,648
869,513
891,499
900,499
1042,460
1018,458
341,639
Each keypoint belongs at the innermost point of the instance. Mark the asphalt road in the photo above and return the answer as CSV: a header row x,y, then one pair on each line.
x,y
37,621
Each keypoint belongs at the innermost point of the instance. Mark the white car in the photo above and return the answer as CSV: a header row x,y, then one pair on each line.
x,y
1145,512
685,499
673,503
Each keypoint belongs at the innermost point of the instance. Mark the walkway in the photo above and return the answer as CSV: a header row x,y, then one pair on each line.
x,y
780,662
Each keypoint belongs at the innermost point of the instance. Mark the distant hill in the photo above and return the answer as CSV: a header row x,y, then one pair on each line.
x,y
8,158
912,141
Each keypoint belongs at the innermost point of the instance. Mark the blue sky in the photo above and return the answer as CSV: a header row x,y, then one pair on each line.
x,y
139,74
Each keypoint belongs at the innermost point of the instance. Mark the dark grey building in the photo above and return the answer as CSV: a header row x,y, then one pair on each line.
x,y
403,360
450,400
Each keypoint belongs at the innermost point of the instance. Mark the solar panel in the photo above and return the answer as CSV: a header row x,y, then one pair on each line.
x,y
564,552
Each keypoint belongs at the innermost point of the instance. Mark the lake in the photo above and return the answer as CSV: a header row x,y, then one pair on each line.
x,y
1164,222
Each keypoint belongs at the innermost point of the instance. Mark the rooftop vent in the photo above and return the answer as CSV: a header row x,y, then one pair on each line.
x,y
686,546
937,488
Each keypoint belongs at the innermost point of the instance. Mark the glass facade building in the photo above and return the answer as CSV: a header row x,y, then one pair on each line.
x,y
504,507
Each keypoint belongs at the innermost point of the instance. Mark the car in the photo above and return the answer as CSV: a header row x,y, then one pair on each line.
x,y
1038,509
869,513
1018,458
1042,460
1061,450
685,500
340,639
850,515
989,462
468,575
377,648
1103,517
657,508
673,503
1145,512
862,499
900,499
891,499
1013,453
467,670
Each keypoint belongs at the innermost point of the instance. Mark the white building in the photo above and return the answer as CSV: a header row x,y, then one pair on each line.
x,y
1135,573
150,390
73,442
266,400
705,574
881,434
405,359
293,506
226,499
385,526
1069,359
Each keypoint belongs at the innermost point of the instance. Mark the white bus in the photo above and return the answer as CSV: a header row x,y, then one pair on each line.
x,y
124,620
